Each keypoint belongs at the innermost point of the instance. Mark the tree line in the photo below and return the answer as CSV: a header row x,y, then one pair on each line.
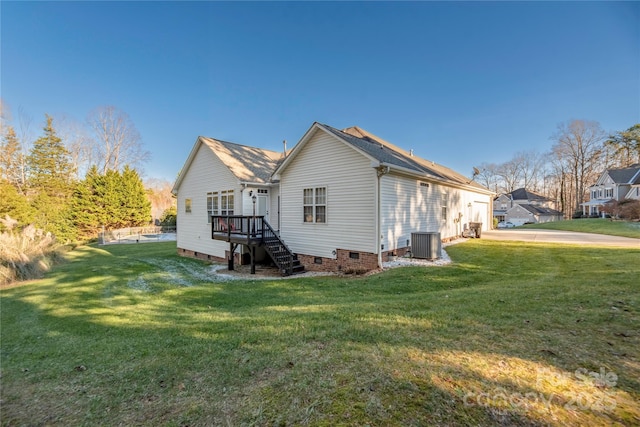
x,y
74,187
581,151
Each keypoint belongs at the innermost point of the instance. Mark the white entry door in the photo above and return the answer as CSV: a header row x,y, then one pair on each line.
x,y
261,206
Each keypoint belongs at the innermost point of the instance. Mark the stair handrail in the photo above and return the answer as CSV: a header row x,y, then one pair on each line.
x,y
266,227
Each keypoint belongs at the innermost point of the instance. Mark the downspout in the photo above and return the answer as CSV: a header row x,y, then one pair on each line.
x,y
380,171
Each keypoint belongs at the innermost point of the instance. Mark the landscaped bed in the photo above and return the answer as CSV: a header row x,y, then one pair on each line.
x,y
507,334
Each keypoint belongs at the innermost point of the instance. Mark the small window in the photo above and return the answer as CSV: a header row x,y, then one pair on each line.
x,y
317,260
424,184
187,205
263,191
445,203
354,255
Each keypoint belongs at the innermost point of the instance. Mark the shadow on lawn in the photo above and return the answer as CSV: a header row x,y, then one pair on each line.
x,y
383,349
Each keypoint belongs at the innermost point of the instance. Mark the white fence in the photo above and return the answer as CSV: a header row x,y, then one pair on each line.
x,y
137,235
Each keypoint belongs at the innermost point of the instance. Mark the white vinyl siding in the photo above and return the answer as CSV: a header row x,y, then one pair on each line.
x,y
206,174
350,182
407,206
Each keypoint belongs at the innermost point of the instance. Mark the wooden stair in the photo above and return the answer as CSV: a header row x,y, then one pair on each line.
x,y
285,260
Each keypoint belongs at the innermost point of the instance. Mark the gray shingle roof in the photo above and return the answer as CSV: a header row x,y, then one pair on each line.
x,y
388,153
523,194
625,175
540,210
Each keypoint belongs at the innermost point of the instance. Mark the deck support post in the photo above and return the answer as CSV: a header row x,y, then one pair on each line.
x,y
232,249
252,252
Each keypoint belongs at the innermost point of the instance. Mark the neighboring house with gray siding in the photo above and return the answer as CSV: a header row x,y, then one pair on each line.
x,y
523,206
613,185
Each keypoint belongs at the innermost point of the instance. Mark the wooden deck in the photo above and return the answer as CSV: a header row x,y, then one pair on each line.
x,y
254,231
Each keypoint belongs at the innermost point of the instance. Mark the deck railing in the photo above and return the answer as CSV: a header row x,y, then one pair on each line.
x,y
253,231
237,227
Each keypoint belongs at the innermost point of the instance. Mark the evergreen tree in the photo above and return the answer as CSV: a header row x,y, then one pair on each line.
x,y
137,205
50,175
49,164
87,207
11,159
14,204
113,200
626,146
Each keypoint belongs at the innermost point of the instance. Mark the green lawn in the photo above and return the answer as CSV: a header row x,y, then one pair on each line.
x,y
509,334
594,225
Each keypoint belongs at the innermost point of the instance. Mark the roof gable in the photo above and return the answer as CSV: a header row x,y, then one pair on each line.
x,y
628,175
247,164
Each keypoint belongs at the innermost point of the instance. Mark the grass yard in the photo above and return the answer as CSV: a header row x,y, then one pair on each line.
x,y
594,225
509,334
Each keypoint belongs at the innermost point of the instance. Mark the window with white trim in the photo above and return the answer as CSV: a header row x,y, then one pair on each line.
x,y
212,205
608,193
220,203
226,202
445,202
314,202
187,205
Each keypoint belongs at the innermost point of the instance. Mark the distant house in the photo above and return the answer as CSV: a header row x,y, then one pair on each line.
x,y
339,200
524,214
613,184
522,206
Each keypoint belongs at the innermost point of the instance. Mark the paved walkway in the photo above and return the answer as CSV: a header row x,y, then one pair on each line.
x,y
558,236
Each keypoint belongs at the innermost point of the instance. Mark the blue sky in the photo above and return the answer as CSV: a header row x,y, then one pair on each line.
x,y
460,83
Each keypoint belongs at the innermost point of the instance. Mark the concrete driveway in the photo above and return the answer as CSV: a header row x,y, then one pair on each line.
x,y
558,236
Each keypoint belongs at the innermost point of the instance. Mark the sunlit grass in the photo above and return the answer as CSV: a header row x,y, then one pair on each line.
x,y
509,334
594,225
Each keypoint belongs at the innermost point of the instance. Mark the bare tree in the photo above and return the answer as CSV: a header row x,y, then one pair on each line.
x,y
488,176
511,174
21,140
159,194
118,142
77,141
577,152
5,116
531,169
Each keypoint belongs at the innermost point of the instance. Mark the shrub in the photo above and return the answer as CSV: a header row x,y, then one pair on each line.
x,y
628,209
25,254
168,218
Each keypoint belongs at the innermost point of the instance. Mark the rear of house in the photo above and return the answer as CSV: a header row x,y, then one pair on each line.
x,y
351,199
341,200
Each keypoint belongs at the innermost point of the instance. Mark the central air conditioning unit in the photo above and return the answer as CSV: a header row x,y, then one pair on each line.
x,y
426,245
